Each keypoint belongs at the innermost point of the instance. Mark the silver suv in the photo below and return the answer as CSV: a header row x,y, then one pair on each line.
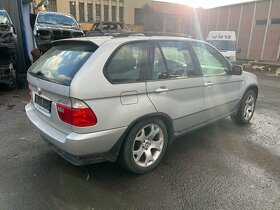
x,y
126,99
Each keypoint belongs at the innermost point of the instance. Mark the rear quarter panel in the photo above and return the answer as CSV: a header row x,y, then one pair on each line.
x,y
91,86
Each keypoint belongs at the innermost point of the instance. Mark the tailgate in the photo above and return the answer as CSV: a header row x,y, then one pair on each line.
x,y
44,96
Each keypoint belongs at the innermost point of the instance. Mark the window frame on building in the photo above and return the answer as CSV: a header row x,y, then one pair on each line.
x,y
114,13
106,12
98,12
52,6
81,11
121,14
275,21
72,6
90,12
261,22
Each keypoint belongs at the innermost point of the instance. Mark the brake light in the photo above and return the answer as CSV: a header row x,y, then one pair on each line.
x,y
79,114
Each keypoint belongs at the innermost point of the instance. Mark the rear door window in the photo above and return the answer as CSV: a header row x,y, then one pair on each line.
x,y
172,60
128,63
62,62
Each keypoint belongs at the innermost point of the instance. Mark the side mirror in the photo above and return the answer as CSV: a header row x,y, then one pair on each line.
x,y
237,70
238,51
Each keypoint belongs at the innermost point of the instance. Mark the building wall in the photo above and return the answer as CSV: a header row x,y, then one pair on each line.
x,y
128,6
245,29
273,34
256,41
257,38
175,17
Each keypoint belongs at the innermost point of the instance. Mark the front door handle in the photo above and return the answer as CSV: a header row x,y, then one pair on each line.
x,y
162,90
208,83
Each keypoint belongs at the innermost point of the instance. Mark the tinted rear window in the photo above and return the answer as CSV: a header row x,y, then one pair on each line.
x,y
62,62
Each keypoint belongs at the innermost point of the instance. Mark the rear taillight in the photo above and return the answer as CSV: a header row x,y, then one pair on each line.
x,y
79,114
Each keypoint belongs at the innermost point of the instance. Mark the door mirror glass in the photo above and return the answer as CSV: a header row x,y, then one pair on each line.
x,y
237,70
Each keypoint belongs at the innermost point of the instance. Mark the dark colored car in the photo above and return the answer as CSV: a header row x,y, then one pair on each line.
x,y
108,29
8,45
7,32
50,26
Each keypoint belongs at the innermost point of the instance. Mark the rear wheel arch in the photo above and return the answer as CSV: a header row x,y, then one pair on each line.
x,y
161,116
135,144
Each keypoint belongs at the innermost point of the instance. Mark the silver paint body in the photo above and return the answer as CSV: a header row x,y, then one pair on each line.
x,y
190,103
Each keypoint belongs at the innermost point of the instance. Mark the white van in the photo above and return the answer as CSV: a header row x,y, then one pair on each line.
x,y
225,42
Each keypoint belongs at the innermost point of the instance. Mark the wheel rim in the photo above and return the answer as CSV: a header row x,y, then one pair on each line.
x,y
148,145
249,107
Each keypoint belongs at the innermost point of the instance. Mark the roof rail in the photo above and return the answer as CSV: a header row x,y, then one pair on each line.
x,y
127,34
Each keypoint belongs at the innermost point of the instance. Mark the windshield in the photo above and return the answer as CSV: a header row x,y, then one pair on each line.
x,y
62,62
4,19
223,45
51,18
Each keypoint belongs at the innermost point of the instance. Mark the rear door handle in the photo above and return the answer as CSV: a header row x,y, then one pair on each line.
x,y
162,90
208,83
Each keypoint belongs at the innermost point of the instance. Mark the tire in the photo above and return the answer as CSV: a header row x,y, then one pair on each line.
x,y
246,109
140,153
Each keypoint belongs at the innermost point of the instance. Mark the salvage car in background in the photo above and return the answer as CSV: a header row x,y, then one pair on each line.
x,y
50,26
108,28
8,44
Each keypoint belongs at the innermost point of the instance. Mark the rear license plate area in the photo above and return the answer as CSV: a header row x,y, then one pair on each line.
x,y
43,103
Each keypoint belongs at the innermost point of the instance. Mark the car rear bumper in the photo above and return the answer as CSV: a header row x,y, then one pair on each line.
x,y
81,147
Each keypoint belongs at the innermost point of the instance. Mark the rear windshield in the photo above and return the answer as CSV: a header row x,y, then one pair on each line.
x,y
62,62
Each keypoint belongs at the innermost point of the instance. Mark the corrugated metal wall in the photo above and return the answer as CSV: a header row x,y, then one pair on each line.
x,y
256,41
13,7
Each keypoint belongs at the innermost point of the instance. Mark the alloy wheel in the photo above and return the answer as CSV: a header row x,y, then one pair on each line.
x,y
148,145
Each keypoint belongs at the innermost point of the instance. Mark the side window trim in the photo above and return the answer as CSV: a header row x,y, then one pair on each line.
x,y
149,70
142,71
163,57
194,59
